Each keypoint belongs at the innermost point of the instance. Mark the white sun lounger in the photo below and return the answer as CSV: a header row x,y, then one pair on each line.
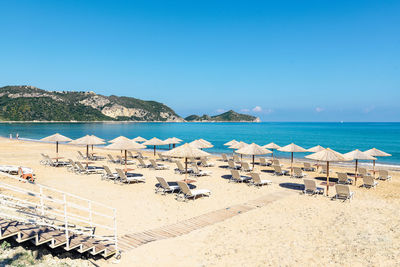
x,y
186,193
257,181
164,187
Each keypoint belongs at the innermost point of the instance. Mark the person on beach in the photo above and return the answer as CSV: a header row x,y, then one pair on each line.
x,y
17,136
10,135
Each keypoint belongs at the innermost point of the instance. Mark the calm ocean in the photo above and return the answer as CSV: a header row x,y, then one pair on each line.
x,y
342,137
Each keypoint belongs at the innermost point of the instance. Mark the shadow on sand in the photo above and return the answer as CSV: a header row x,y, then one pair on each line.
x,y
293,186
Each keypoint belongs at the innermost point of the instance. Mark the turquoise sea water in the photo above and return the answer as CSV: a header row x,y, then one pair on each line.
x,y
342,137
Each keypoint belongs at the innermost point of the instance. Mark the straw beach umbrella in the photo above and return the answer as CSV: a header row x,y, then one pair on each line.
x,y
253,149
315,149
272,146
186,151
239,145
327,155
230,143
125,144
205,141
292,148
357,155
154,142
201,144
172,141
119,138
56,138
175,141
376,153
139,139
88,140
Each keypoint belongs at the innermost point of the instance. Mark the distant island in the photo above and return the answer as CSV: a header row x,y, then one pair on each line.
x,y
29,103
229,116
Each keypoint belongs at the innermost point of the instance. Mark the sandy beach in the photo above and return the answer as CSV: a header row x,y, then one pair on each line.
x,y
294,229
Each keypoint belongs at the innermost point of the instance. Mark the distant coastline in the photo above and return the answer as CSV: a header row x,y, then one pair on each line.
x,y
117,122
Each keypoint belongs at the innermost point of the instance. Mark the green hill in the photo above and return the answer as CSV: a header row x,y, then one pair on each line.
x,y
229,116
28,103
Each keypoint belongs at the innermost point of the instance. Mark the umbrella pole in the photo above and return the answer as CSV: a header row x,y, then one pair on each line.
x,y
373,168
87,156
173,145
186,171
355,175
291,166
253,162
154,150
272,154
57,151
126,159
327,178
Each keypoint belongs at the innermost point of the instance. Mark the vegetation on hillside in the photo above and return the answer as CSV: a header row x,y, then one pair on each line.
x,y
28,103
227,116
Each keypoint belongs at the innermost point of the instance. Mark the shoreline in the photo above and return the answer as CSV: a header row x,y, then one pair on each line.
x,y
392,166
116,122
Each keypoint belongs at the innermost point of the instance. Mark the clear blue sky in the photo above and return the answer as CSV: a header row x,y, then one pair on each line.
x,y
279,60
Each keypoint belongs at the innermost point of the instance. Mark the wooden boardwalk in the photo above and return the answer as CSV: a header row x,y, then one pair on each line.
x,y
131,241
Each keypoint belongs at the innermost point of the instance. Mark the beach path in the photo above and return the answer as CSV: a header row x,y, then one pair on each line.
x,y
130,241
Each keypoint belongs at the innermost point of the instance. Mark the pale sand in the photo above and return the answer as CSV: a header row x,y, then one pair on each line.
x,y
294,230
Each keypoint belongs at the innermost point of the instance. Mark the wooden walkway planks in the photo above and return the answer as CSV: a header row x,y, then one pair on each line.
x,y
131,241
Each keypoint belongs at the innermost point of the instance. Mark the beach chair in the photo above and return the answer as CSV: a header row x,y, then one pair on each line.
x,y
232,165
307,167
363,172
108,175
257,181
93,157
122,161
164,187
88,169
236,159
111,159
142,164
140,155
236,177
130,155
157,166
384,175
161,157
197,172
278,170
81,156
369,182
263,162
343,192
224,157
26,174
298,173
310,187
246,167
323,169
56,163
343,178
186,193
180,169
72,166
204,163
169,158
276,162
44,160
127,179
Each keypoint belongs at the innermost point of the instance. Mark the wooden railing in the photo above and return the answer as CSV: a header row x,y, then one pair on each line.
x,y
46,206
